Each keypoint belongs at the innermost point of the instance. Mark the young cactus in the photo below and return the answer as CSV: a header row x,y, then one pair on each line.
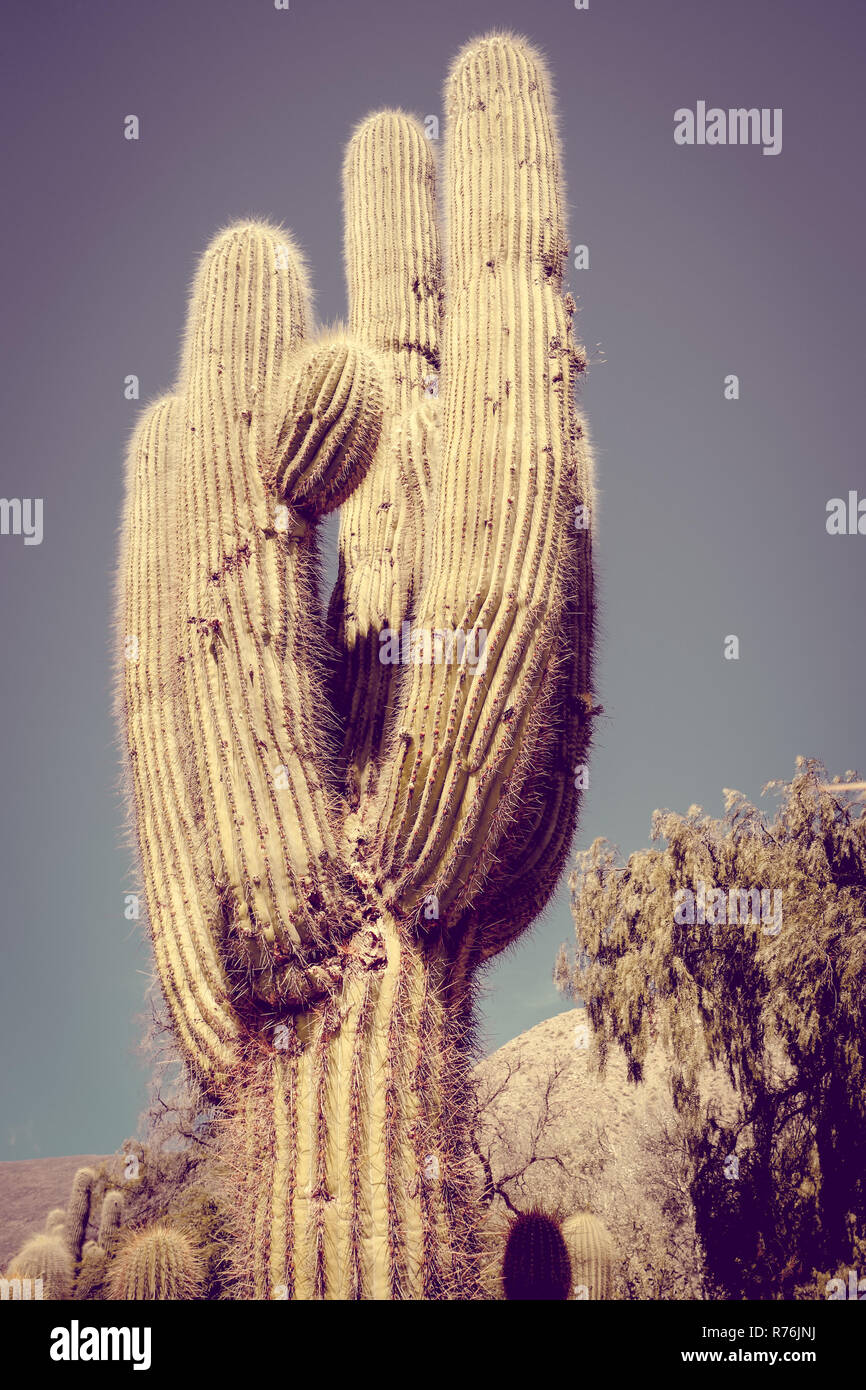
x,y
45,1257
333,844
93,1272
158,1262
97,1255
536,1263
78,1212
591,1251
110,1219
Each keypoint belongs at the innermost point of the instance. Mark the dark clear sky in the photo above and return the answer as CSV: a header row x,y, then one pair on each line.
x,y
703,262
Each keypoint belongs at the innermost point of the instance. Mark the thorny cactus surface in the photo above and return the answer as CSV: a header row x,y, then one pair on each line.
x,y
156,1263
93,1274
46,1257
110,1219
591,1253
536,1264
78,1212
333,844
55,1221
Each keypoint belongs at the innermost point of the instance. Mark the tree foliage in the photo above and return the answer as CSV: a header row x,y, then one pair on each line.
x,y
768,990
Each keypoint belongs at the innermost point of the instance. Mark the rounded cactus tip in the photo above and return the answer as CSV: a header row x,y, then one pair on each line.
x,y
390,122
536,1264
112,1206
494,46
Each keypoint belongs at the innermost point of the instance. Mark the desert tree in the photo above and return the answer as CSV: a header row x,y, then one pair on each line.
x,y
509,1157
742,941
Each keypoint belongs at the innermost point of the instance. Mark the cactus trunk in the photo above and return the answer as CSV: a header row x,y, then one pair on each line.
x,y
350,1146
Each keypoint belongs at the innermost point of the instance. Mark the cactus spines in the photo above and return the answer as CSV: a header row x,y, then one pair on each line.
x,y
110,1218
536,1264
158,1262
45,1257
591,1252
331,843
78,1211
93,1272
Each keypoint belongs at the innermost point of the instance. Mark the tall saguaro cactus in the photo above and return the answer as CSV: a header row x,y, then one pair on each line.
x,y
333,844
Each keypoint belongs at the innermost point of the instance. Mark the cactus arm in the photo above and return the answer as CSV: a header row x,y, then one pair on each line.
x,y
541,812
245,668
394,282
503,552
182,903
268,424
334,410
224,710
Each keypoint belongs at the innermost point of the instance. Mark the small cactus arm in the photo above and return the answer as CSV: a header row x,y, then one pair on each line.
x,y
332,844
591,1251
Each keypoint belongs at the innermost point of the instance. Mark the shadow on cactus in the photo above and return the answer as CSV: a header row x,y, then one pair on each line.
x,y
536,1263
333,844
